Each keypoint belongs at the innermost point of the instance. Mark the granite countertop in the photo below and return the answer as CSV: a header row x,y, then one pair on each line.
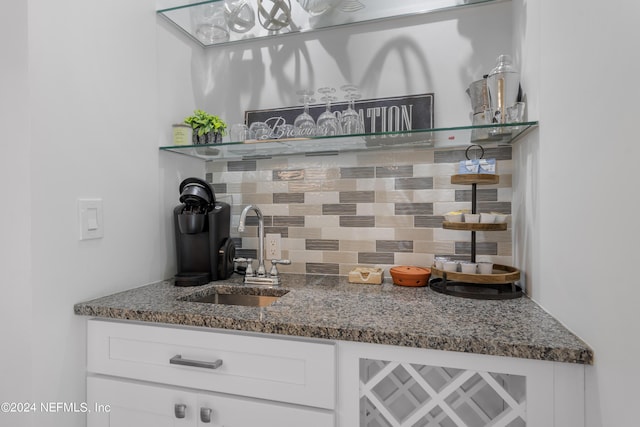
x,y
331,308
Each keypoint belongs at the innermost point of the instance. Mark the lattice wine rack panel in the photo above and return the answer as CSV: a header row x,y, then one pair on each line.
x,y
394,394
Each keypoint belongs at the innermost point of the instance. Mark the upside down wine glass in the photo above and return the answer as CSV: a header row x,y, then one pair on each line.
x,y
304,125
328,123
351,122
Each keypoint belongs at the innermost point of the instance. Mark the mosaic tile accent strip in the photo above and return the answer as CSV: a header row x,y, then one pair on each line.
x,y
377,208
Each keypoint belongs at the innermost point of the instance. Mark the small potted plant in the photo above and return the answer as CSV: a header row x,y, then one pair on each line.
x,y
207,128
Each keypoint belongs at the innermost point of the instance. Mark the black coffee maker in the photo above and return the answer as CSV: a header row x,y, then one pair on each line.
x,y
204,249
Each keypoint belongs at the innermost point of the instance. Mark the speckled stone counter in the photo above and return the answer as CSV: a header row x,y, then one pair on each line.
x,y
331,308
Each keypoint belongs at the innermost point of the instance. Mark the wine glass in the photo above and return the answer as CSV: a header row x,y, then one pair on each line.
x,y
328,124
351,122
304,124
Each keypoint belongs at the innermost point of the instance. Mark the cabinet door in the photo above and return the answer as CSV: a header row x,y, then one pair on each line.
x,y
226,411
117,403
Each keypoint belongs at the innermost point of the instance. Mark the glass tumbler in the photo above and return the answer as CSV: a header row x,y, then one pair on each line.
x,y
211,23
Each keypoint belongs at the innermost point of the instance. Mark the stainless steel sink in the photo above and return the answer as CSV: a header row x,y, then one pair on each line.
x,y
248,297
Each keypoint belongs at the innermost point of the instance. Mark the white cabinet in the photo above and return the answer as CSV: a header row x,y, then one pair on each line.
x,y
267,380
142,371
148,405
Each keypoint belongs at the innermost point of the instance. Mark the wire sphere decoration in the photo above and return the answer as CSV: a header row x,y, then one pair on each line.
x,y
240,15
277,17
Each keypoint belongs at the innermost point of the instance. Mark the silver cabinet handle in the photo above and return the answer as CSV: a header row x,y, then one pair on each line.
x,y
178,360
180,410
205,415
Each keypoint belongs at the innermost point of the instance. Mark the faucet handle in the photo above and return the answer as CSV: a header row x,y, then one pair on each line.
x,y
275,262
249,270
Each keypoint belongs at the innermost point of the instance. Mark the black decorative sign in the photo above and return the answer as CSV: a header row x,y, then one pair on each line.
x,y
395,114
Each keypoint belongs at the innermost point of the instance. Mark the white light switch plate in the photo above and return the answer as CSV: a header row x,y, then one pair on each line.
x,y
90,219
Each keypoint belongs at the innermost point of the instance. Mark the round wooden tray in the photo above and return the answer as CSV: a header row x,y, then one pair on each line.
x,y
475,178
501,274
473,226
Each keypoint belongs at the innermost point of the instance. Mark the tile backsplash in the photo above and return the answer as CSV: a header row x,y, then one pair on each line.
x,y
381,208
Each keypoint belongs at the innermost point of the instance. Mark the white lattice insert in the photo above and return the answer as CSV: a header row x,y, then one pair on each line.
x,y
394,394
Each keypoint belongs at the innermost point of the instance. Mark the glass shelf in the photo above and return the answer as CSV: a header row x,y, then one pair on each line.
x,y
441,138
188,16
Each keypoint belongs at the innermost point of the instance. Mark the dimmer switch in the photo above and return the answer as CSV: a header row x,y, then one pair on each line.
x,y
90,219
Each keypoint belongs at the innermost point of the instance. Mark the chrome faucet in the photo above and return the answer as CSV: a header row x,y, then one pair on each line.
x,y
260,276
261,271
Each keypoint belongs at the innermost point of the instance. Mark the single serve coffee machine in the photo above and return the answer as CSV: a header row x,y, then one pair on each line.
x,y
204,249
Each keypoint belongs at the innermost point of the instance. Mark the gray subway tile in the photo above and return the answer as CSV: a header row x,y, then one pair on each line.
x,y
357,197
428,221
322,245
322,268
242,166
219,188
357,172
502,207
339,209
288,198
252,220
394,246
414,208
405,171
247,253
487,195
288,221
425,183
282,231
482,248
375,258
357,221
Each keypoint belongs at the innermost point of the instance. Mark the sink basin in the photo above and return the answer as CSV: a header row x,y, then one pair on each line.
x,y
243,296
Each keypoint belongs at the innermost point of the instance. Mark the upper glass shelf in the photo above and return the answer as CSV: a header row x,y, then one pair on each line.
x,y
219,22
453,137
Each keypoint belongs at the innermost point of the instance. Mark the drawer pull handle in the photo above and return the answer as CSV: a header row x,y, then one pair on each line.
x,y
178,360
180,410
205,415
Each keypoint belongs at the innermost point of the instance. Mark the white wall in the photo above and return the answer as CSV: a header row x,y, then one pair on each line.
x,y
81,118
91,90
577,183
15,240
442,53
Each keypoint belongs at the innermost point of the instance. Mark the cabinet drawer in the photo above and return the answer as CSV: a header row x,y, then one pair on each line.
x,y
129,403
278,369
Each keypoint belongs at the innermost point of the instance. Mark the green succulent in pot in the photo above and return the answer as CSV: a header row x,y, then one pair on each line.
x,y
207,128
